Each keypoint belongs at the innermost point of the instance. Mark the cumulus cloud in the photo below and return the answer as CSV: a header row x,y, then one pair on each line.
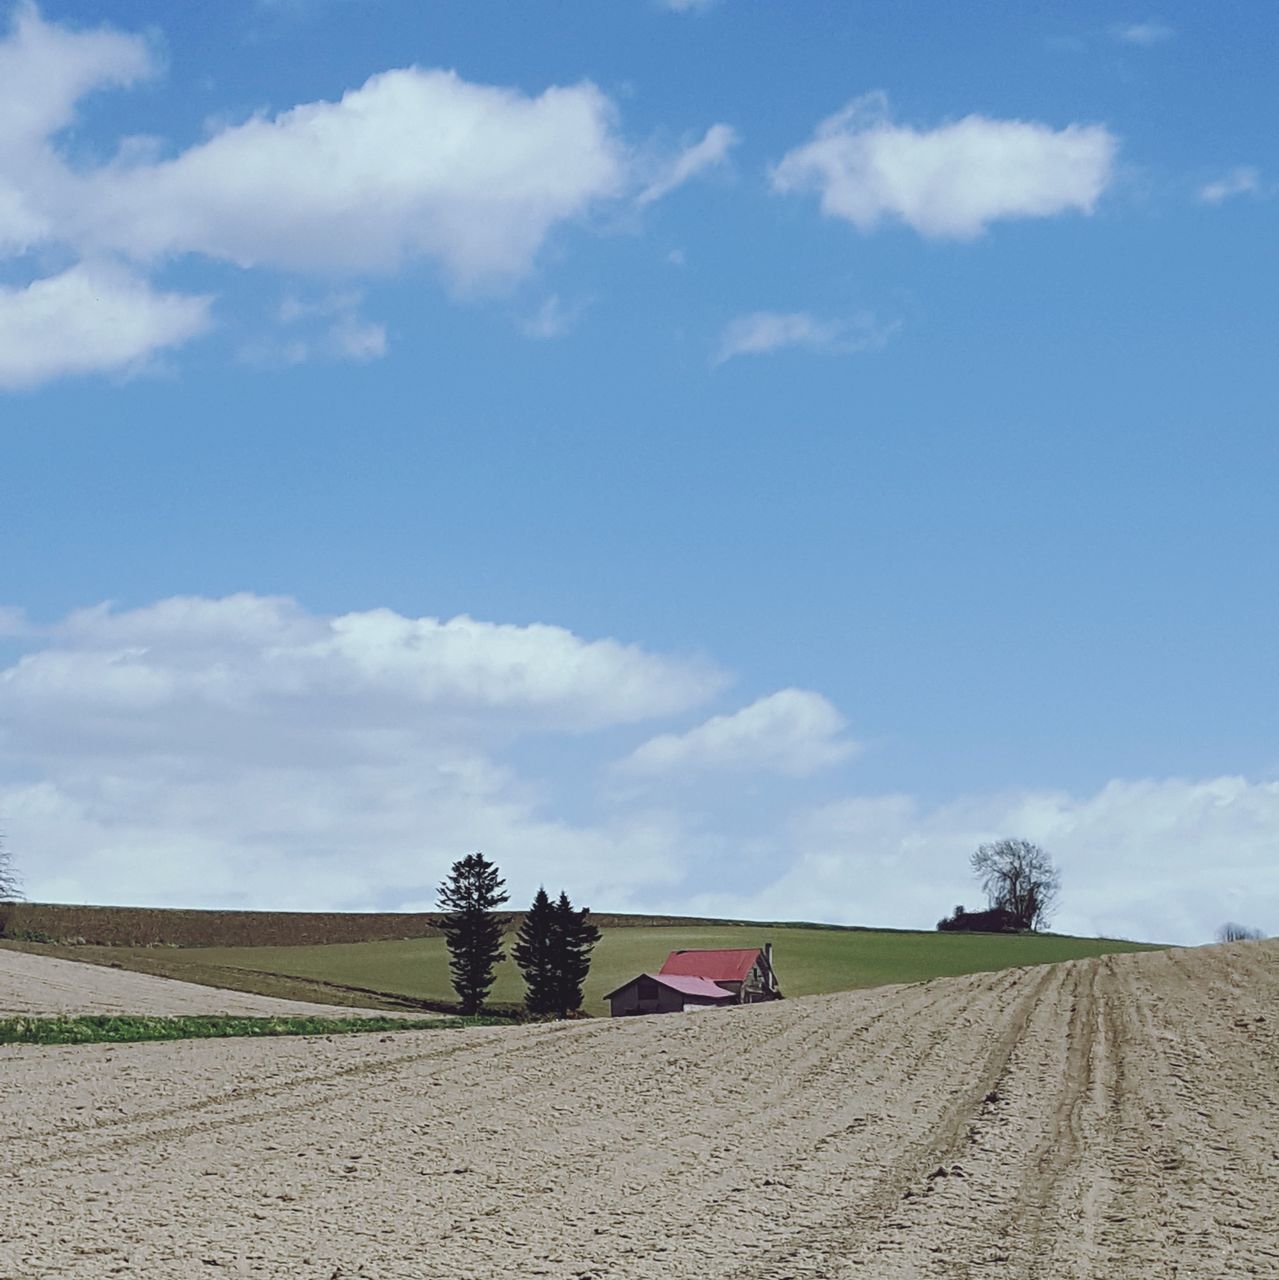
x,y
374,669
90,319
1161,860
1244,180
762,332
1144,34
413,164
793,732
951,181
44,72
246,752
712,150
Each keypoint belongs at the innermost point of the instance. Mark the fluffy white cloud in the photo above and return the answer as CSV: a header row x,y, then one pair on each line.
x,y
44,71
245,752
1161,860
1244,180
793,732
415,163
90,319
761,332
1144,34
952,181
243,658
712,150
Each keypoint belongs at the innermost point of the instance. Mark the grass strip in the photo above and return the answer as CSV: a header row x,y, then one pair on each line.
x,y
126,1028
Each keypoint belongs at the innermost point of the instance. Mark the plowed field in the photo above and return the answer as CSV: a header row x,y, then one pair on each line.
x,y
1113,1118
34,985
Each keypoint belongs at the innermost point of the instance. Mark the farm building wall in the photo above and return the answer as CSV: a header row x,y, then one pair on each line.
x,y
645,996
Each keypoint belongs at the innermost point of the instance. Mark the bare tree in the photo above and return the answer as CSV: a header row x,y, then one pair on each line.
x,y
10,882
1019,878
1232,931
10,887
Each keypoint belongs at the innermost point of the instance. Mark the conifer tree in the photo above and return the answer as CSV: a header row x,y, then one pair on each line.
x,y
575,937
535,953
471,928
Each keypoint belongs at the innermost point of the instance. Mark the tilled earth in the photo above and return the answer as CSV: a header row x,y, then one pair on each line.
x,y
35,985
1113,1118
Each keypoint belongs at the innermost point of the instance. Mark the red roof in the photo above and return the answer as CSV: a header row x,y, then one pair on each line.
x,y
718,966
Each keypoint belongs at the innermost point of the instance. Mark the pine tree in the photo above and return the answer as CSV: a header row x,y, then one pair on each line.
x,y
575,937
535,953
472,930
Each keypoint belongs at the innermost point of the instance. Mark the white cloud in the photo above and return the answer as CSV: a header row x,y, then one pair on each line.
x,y
712,150
763,332
1144,34
44,71
1162,860
376,669
1244,180
90,319
687,6
413,164
951,181
792,732
244,751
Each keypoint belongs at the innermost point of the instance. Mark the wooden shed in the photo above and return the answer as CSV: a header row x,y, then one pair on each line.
x,y
666,993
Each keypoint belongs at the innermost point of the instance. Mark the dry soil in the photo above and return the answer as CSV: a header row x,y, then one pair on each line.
x,y
44,985
1113,1118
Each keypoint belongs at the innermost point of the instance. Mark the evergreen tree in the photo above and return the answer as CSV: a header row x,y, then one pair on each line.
x,y
472,930
574,938
535,953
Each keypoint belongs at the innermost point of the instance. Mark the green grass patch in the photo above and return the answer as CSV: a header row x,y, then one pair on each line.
x,y
123,1028
810,960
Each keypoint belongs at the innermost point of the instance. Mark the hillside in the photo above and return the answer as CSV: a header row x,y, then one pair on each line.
x,y
1110,1117
412,971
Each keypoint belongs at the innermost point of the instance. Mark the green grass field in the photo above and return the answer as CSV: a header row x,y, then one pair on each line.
x,y
809,961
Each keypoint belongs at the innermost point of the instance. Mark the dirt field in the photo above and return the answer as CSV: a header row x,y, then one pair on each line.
x,y
41,984
1113,1118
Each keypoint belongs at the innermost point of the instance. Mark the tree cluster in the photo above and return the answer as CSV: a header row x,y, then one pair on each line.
x,y
1232,931
554,954
1021,884
552,949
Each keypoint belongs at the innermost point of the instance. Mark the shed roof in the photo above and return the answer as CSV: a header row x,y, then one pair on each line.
x,y
718,966
685,985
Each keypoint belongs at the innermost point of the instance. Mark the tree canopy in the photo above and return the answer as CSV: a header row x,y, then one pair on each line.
x,y
554,954
471,928
1018,878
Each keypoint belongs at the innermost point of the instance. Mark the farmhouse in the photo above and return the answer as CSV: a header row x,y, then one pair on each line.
x,y
700,980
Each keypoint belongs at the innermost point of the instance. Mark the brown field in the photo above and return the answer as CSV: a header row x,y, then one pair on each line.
x,y
178,927
1113,1118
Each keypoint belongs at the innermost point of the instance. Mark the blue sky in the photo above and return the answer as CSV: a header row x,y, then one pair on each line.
x,y
714,456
